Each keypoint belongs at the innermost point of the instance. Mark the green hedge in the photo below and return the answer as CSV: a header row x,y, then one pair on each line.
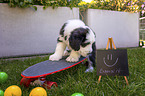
x,y
117,5
45,3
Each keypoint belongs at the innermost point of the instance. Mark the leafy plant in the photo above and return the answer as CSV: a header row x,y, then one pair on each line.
x,y
45,3
116,5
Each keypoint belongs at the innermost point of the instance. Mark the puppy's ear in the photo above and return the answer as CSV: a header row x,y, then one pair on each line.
x,y
75,41
77,37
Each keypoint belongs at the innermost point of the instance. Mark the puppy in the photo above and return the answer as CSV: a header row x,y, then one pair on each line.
x,y
79,39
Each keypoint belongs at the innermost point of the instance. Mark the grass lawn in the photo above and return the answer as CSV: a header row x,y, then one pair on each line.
x,y
75,80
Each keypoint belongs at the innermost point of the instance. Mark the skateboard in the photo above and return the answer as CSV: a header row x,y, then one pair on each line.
x,y
37,73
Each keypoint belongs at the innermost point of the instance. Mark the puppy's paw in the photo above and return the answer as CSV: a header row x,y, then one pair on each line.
x,y
72,59
90,69
55,57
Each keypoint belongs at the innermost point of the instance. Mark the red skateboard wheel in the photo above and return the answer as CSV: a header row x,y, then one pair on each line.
x,y
26,81
49,84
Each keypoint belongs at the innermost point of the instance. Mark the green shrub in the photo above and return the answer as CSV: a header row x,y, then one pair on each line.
x,y
116,5
45,3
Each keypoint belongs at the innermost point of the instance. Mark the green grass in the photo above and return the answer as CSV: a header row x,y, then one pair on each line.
x,y
75,80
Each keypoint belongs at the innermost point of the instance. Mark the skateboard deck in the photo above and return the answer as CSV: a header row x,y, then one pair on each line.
x,y
48,67
39,71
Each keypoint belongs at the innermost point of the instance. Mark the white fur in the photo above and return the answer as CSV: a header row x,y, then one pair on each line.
x,y
73,24
74,56
61,46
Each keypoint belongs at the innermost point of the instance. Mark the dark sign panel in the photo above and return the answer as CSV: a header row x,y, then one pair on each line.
x,y
112,62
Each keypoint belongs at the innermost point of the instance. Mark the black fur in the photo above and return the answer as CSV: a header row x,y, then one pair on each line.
x,y
85,44
59,40
62,29
77,37
92,55
65,38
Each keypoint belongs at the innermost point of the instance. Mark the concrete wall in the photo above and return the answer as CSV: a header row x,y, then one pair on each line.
x,y
25,31
123,27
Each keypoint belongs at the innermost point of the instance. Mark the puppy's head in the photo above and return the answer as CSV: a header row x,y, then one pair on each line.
x,y
77,37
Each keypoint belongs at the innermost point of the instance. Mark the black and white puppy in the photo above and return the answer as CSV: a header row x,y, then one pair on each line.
x,y
79,39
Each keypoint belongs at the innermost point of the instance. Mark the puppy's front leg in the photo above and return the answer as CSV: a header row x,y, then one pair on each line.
x,y
60,47
74,56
